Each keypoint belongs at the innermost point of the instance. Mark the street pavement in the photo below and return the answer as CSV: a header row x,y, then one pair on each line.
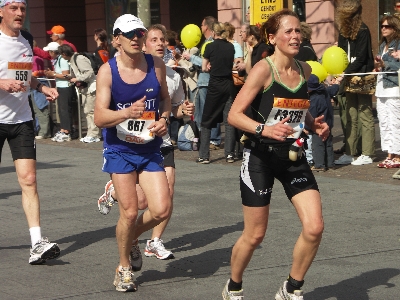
x,y
358,257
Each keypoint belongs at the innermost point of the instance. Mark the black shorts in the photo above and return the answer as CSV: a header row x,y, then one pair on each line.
x,y
168,154
260,168
21,139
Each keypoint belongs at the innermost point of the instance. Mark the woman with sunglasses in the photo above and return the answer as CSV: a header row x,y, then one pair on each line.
x,y
387,91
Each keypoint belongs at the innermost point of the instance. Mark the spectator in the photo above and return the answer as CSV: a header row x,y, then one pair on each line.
x,y
218,59
57,34
320,105
257,47
397,8
82,75
244,33
238,63
39,102
202,82
102,52
355,40
306,51
387,91
61,74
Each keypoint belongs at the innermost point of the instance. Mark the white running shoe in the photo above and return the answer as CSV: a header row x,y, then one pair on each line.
x,y
106,201
362,160
231,295
90,139
123,280
344,160
43,250
282,294
156,248
63,137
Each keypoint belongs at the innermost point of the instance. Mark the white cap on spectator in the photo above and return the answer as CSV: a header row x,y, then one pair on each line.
x,y
53,46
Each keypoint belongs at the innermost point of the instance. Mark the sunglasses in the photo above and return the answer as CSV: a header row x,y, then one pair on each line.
x,y
386,26
397,5
139,33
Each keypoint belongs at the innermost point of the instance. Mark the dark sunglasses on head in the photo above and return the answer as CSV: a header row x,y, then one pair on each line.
x,y
386,26
131,34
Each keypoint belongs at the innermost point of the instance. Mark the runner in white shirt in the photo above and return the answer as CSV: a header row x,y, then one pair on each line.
x,y
16,125
155,45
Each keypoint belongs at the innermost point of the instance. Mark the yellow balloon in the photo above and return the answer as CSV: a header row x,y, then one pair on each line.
x,y
203,48
318,70
335,60
190,35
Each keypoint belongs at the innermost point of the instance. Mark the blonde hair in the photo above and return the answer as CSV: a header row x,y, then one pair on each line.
x,y
221,30
348,18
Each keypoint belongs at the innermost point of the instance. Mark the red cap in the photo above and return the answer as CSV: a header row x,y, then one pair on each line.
x,y
58,29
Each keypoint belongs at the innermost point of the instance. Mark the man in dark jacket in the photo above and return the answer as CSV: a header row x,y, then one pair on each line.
x,y
320,104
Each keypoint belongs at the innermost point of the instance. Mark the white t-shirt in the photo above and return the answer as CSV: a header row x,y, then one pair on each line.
x,y
16,61
177,95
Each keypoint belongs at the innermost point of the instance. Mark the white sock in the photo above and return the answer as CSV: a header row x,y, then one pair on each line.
x,y
36,235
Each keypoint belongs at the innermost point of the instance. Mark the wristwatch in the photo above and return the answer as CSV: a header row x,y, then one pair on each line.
x,y
166,120
259,130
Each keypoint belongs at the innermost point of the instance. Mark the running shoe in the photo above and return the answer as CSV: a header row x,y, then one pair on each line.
x,y
63,137
203,160
136,257
43,250
282,294
230,158
156,248
106,201
90,139
54,138
123,280
231,295
362,160
344,160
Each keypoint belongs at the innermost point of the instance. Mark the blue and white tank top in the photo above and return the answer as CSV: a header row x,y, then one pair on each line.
x,y
132,134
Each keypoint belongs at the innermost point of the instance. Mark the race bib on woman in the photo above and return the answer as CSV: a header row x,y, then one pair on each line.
x,y
296,109
135,130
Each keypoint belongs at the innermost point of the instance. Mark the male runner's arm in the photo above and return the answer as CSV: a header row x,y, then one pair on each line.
x,y
104,117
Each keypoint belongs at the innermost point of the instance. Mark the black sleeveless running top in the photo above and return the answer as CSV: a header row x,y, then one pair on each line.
x,y
278,101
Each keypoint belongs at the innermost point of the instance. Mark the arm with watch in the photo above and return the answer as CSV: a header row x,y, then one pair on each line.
x,y
50,93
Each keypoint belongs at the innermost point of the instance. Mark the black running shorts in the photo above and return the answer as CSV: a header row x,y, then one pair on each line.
x,y
21,139
169,158
260,168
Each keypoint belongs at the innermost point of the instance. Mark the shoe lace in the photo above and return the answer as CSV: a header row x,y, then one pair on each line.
x,y
135,252
159,245
125,274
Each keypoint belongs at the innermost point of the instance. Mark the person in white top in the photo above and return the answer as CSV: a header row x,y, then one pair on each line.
x,y
387,91
16,125
154,45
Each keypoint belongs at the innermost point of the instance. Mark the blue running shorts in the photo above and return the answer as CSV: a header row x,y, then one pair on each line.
x,y
124,163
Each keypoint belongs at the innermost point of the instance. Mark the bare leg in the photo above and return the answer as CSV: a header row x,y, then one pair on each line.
x,y
26,172
255,226
309,208
125,187
160,228
156,190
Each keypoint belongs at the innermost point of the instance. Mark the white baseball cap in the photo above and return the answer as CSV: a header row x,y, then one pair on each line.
x,y
128,22
53,46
